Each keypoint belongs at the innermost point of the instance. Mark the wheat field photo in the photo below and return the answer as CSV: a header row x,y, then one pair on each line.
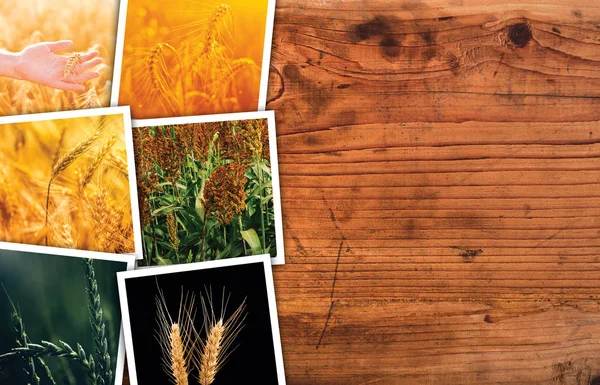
x,y
64,182
71,341
192,57
90,26
206,191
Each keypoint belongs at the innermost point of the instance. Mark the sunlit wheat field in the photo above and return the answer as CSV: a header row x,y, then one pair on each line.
x,y
191,57
90,25
65,183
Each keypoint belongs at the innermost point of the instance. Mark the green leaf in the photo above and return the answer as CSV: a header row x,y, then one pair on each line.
x,y
251,237
230,251
162,261
267,199
165,210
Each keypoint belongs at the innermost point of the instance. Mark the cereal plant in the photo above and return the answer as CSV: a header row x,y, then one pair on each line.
x,y
192,58
90,25
197,352
97,366
205,191
64,183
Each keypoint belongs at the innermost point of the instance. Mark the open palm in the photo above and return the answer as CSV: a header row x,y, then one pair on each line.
x,y
40,64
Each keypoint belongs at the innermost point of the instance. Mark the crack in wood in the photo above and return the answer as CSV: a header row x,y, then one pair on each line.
x,y
337,264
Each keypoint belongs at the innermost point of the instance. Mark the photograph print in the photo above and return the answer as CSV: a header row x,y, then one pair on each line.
x,y
56,55
66,182
60,319
203,323
208,188
193,57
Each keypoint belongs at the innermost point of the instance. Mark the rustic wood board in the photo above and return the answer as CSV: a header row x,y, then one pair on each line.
x,y
440,180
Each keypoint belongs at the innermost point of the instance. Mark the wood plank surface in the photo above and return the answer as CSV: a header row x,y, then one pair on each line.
x,y
440,180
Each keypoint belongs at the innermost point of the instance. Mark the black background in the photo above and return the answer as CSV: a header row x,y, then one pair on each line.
x,y
253,361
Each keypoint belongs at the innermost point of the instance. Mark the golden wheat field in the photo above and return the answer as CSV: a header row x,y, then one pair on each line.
x,y
65,183
91,25
191,57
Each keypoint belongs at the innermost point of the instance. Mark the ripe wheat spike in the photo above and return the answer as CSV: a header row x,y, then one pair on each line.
x,y
175,336
72,65
221,332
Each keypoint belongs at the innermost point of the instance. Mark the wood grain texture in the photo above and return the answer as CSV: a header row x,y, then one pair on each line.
x,y
440,180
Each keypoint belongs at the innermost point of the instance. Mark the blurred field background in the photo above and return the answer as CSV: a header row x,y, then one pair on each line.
x,y
50,292
191,57
90,25
82,164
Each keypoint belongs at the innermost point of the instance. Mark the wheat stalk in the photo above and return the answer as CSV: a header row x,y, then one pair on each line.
x,y
73,154
71,65
48,349
175,337
97,323
22,340
158,72
69,157
157,68
120,164
211,355
212,31
88,99
95,163
100,215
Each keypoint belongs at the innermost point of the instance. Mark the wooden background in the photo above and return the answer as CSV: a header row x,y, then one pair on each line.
x,y
440,178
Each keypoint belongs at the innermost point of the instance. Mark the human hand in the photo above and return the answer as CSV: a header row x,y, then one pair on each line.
x,y
40,64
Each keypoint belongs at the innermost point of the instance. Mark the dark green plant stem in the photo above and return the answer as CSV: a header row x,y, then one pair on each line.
x,y
22,340
262,214
97,323
203,236
48,349
242,238
156,255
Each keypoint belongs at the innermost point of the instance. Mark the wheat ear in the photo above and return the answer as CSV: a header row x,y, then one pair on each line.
x,y
159,73
95,163
88,99
220,337
175,337
48,349
212,31
119,163
22,339
157,68
69,157
97,323
71,65
73,154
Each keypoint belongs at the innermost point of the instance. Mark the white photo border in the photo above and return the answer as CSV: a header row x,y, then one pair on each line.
x,y
83,254
125,113
270,116
170,269
266,59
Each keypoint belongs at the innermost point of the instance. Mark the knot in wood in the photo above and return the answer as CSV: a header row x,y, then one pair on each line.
x,y
519,34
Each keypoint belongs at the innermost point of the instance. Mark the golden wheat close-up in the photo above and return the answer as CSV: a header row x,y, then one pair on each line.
x,y
192,58
189,351
91,26
64,183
